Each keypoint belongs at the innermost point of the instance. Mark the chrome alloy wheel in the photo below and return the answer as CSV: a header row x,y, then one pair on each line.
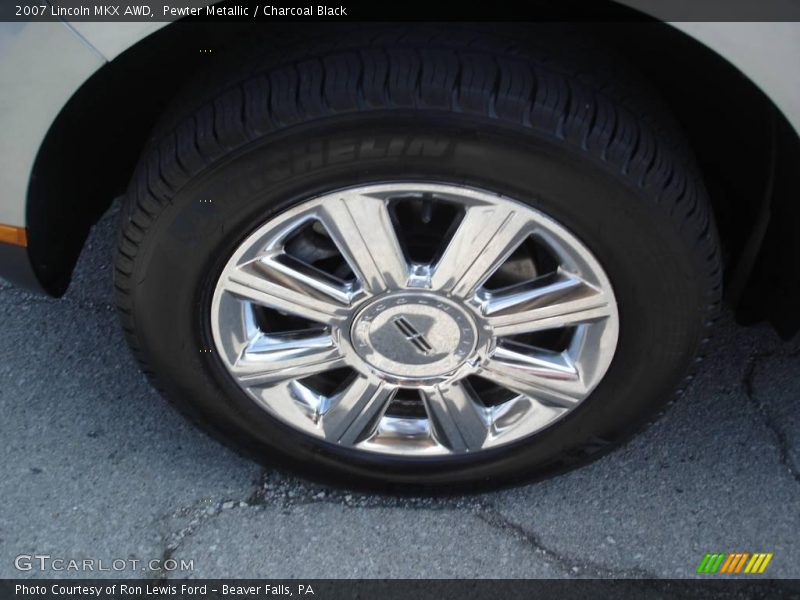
x,y
415,319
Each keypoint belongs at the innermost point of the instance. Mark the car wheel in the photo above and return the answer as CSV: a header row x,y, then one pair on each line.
x,y
418,265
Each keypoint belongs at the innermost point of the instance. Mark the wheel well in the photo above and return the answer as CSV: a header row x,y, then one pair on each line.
x,y
742,142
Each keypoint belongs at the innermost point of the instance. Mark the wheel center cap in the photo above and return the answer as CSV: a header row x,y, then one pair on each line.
x,y
414,335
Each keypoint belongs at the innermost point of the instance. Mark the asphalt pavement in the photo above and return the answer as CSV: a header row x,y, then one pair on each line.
x,y
95,465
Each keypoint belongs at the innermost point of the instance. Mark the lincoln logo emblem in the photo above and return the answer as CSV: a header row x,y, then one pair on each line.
x,y
412,335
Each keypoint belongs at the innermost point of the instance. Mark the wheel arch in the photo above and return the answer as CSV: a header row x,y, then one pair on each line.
x,y
76,175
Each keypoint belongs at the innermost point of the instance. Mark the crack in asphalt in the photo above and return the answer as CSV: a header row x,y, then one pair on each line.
x,y
198,514
568,565
781,441
276,490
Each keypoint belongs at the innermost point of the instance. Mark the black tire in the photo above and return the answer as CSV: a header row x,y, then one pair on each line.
x,y
492,115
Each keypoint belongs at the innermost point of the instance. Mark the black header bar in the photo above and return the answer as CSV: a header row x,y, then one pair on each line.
x,y
408,10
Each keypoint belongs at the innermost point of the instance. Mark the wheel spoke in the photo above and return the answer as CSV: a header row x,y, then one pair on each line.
x,y
354,413
549,377
290,286
523,415
362,229
562,300
457,418
486,236
271,359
